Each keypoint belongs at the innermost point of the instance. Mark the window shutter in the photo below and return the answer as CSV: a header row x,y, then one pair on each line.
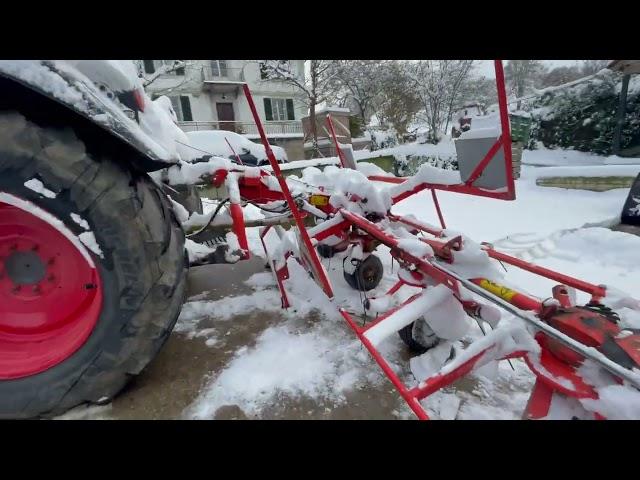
x,y
186,108
268,114
290,113
148,66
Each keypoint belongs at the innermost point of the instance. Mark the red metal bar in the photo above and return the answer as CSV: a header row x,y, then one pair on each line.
x,y
395,288
539,401
417,225
379,178
335,141
459,188
239,229
439,381
590,288
324,281
475,174
596,291
506,129
437,204
411,400
280,275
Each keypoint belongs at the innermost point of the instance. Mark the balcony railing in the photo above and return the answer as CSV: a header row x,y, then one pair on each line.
x,y
245,128
216,74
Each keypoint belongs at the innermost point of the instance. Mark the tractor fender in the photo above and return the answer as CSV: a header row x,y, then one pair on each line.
x,y
64,96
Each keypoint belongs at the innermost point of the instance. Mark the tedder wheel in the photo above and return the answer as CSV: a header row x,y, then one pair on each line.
x,y
367,274
418,336
92,270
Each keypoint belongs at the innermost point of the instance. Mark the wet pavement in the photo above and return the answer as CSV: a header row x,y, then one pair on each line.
x,y
184,366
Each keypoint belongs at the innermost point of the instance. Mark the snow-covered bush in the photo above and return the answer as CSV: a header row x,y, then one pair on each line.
x,y
381,139
410,164
583,116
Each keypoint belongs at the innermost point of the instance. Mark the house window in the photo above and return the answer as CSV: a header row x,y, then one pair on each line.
x,y
279,109
219,68
182,107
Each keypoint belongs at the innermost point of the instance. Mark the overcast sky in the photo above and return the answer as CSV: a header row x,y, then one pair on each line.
x,y
485,67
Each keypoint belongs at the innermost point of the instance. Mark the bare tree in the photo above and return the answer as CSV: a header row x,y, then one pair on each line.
x,y
361,81
397,103
437,84
318,85
522,74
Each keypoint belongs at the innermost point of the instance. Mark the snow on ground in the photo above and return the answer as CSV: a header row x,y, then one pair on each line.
x,y
323,360
536,210
320,361
558,157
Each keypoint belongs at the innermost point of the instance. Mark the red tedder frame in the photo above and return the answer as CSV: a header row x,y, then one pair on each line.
x,y
552,374
468,187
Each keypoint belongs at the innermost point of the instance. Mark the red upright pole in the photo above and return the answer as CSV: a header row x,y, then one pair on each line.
x,y
506,130
335,141
304,235
437,205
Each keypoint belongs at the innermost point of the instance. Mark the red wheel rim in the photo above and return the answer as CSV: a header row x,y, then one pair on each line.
x,y
50,290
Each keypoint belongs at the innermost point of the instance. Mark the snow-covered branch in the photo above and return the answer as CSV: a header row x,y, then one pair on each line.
x,y
163,70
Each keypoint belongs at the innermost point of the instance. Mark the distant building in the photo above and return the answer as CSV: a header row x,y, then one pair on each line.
x,y
207,95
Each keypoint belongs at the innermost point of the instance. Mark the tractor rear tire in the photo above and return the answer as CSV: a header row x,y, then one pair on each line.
x,y
137,259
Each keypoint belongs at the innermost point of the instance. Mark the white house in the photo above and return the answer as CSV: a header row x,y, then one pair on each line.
x,y
207,95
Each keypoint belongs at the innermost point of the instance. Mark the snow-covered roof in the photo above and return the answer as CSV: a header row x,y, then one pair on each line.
x,y
333,109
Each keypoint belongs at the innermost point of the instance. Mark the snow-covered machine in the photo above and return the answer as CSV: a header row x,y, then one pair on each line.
x,y
586,363
93,264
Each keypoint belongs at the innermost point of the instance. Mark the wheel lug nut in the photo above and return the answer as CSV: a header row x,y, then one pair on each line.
x,y
13,247
16,289
35,248
52,260
51,278
36,289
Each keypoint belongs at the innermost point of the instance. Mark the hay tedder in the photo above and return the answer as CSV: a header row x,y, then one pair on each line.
x,y
562,343
93,266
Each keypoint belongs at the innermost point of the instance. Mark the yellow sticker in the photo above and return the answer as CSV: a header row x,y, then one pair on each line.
x,y
319,200
499,290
